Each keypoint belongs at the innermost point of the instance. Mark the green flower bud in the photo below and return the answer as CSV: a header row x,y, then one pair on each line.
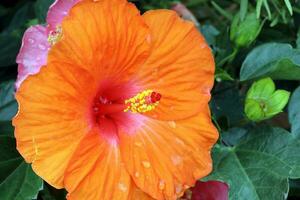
x,y
253,110
263,101
243,33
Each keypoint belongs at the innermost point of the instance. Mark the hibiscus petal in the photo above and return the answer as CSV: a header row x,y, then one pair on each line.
x,y
33,53
96,171
52,118
180,67
138,194
108,38
57,11
164,158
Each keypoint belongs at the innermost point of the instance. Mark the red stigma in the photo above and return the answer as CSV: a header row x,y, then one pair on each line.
x,y
155,97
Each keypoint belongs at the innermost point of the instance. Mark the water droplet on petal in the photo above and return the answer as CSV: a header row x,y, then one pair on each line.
x,y
203,45
178,189
161,184
155,72
31,41
96,109
155,116
137,174
172,124
179,141
146,164
206,90
42,47
122,187
138,144
186,187
176,159
148,38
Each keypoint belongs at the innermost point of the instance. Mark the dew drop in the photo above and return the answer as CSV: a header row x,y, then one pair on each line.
x,y
122,187
218,79
155,72
206,90
96,109
42,47
186,187
202,46
161,184
138,144
148,38
146,164
31,41
172,124
178,189
137,174
176,159
179,141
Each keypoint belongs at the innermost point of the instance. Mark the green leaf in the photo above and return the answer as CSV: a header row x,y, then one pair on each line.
x,y
225,99
3,10
222,75
17,180
243,9
50,193
9,48
259,166
210,33
8,104
41,8
243,33
294,112
294,188
276,60
258,8
233,136
298,39
8,107
21,17
223,12
10,38
266,5
289,6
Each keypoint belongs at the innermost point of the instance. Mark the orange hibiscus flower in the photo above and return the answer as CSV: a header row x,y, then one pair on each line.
x,y
120,109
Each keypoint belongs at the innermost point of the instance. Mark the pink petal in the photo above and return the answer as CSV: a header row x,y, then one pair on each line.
x,y
57,11
210,190
33,52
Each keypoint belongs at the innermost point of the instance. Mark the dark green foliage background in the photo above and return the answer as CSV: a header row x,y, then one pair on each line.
x,y
250,39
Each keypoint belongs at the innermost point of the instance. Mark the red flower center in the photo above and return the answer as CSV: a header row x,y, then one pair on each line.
x,y
117,107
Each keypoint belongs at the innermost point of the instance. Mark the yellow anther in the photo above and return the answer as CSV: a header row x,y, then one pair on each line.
x,y
55,36
143,102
